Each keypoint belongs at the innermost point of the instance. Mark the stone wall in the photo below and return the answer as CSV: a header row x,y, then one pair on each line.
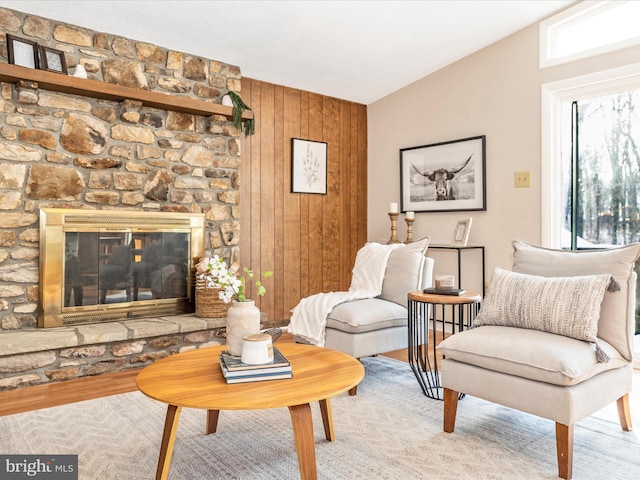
x,y
66,151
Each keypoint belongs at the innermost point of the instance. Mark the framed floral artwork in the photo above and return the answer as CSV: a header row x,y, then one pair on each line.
x,y
309,166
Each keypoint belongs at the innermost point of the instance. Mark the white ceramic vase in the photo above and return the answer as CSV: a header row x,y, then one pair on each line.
x,y
243,318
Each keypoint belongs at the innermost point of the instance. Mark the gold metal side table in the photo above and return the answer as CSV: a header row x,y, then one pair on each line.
x,y
437,316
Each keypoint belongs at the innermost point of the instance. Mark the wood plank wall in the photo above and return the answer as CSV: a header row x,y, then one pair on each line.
x,y
309,241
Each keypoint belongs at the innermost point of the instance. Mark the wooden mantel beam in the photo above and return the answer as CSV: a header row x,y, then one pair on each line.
x,y
108,91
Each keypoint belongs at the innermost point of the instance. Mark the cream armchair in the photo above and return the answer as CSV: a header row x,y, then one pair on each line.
x,y
526,354
370,326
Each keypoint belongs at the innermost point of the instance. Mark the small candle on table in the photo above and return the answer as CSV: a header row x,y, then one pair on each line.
x,y
410,215
393,208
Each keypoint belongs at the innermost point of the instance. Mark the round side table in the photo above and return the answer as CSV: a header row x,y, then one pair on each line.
x,y
435,316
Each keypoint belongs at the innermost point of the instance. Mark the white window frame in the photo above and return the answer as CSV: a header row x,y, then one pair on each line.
x,y
585,9
553,97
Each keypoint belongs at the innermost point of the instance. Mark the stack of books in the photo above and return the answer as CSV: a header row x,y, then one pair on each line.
x,y
445,291
235,371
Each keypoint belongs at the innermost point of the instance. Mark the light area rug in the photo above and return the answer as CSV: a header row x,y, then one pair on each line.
x,y
390,430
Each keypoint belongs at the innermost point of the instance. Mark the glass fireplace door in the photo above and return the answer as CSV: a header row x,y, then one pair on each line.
x,y
105,267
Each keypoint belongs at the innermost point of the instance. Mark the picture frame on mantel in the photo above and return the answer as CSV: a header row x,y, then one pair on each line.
x,y
309,166
444,177
22,52
52,60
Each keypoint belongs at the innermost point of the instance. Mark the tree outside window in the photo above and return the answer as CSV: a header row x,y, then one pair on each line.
x,y
602,176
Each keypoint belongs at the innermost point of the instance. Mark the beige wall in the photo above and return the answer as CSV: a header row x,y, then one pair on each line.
x,y
494,92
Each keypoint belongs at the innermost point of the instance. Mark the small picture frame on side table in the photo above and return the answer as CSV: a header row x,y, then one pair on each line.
x,y
52,60
22,52
461,232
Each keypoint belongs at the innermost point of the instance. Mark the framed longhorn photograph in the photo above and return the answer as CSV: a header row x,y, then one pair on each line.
x,y
444,177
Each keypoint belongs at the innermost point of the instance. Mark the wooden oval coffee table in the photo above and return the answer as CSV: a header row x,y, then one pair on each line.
x,y
194,380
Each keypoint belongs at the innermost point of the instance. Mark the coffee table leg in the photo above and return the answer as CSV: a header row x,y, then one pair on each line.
x,y
327,419
212,421
168,440
305,446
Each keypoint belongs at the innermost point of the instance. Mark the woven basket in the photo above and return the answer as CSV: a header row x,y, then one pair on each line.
x,y
208,303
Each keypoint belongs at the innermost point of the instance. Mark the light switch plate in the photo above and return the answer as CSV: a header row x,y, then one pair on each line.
x,y
522,179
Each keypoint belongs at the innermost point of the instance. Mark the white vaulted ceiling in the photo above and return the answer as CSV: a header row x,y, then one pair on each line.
x,y
354,50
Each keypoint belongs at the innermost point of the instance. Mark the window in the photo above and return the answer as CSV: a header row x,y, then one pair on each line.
x,y
557,98
597,96
601,172
588,29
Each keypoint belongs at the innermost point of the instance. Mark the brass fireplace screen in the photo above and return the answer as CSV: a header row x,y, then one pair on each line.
x,y
108,265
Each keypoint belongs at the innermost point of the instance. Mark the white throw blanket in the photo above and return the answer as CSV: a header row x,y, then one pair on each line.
x,y
309,317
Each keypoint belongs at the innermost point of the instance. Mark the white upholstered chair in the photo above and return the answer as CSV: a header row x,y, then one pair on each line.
x,y
367,327
551,375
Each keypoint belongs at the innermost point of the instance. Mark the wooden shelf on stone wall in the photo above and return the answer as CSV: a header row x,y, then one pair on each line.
x,y
59,82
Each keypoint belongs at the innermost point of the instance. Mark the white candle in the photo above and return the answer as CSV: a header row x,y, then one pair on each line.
x,y
411,215
393,208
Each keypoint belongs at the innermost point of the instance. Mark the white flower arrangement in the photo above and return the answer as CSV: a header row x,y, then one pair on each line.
x,y
215,273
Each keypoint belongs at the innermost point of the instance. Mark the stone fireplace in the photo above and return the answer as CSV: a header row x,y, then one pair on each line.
x,y
86,144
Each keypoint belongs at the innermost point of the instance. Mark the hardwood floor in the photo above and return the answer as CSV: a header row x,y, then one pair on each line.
x,y
69,391
86,388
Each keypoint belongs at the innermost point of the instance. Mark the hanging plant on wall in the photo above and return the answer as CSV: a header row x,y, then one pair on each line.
x,y
248,126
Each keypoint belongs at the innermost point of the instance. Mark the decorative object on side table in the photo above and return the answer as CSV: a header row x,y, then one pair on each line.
x,y
243,317
409,218
461,232
444,285
455,292
393,215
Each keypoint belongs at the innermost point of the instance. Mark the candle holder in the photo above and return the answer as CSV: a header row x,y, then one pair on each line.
x,y
409,229
394,228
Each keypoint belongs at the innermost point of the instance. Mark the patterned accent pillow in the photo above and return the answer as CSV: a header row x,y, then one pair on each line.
x,y
568,306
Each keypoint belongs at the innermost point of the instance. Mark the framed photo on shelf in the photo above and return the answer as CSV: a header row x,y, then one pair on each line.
x,y
309,166
461,232
52,60
444,177
22,52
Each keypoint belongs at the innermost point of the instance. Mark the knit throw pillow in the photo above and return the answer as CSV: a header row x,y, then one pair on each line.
x,y
568,306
